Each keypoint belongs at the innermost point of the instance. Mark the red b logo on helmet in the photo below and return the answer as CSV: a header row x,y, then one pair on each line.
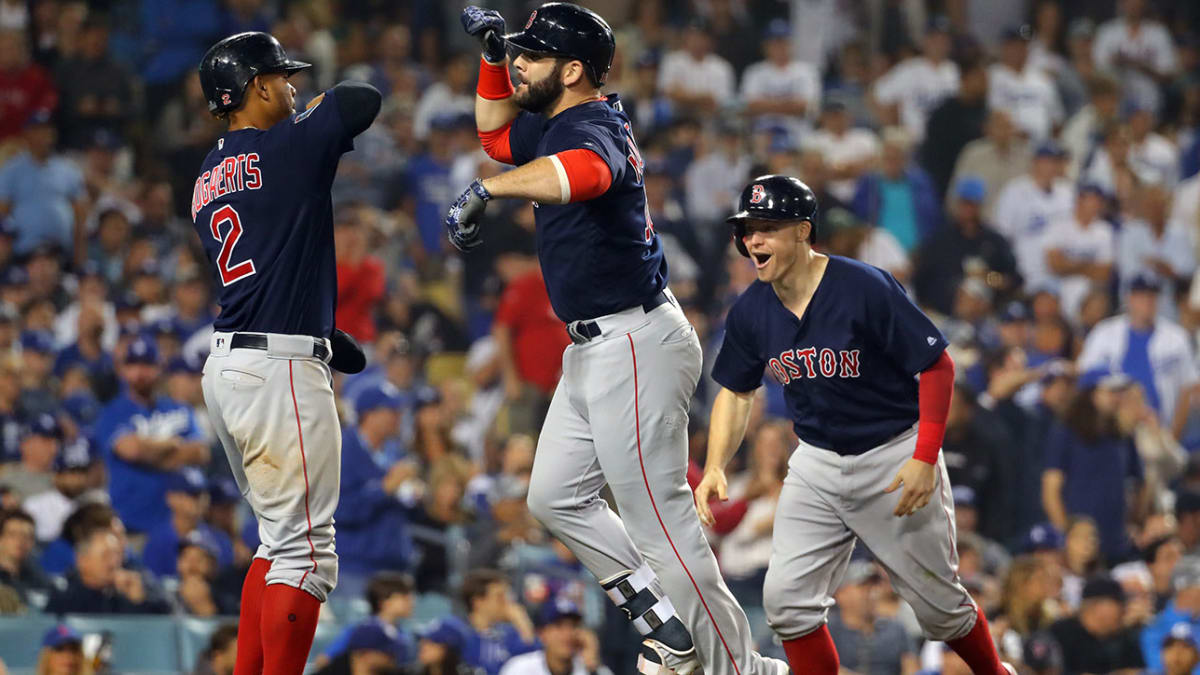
x,y
531,18
225,99
757,194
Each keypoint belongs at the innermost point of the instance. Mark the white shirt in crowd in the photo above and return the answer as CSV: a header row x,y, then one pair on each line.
x,y
881,249
745,552
534,663
1150,44
1170,356
1155,159
712,75
439,99
767,81
853,146
713,182
1022,212
917,85
1136,243
1029,97
1095,243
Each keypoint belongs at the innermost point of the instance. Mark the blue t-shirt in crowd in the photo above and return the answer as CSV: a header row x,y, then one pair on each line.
x,y
898,213
1136,364
42,195
138,490
1096,478
848,367
404,645
162,548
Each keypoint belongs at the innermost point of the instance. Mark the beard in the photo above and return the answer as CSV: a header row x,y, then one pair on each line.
x,y
540,95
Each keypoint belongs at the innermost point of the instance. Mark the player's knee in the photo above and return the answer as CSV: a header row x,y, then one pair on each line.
x,y
540,503
788,613
942,624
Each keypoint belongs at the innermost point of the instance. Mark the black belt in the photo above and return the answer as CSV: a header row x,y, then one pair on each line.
x,y
259,341
585,331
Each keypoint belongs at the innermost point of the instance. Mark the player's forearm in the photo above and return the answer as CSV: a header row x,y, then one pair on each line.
x,y
538,180
494,106
727,427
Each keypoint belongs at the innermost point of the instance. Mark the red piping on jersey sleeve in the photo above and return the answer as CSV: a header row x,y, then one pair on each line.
x,y
496,143
933,402
587,173
494,81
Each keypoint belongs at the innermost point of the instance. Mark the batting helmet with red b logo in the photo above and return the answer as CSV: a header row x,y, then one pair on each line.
x,y
773,197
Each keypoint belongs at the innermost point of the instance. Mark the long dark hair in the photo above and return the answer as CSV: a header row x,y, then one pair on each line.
x,y
1083,418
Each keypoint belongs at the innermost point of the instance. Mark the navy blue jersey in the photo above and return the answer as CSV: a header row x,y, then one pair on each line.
x,y
262,208
847,367
598,256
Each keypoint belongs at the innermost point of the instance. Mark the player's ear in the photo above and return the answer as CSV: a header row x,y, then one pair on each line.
x,y
572,73
804,232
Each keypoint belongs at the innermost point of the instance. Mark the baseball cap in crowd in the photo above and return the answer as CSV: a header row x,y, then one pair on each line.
x,y
557,609
1186,574
1103,586
148,268
44,424
370,634
837,219
1057,368
1050,148
939,23
385,395
859,572
37,341
1022,33
1103,378
74,456
1145,282
1182,633
427,396
964,495
1093,188
61,636
777,28
224,490
189,480
128,302
971,189
15,275
447,631
142,350
1013,312
202,540
1043,537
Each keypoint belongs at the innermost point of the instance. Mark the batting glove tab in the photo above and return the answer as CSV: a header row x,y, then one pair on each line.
x,y
462,221
348,356
487,26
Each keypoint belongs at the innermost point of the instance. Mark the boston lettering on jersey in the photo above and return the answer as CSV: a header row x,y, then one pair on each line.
x,y
233,174
848,366
787,366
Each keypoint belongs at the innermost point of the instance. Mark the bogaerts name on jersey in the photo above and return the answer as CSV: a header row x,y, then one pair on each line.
x,y
233,174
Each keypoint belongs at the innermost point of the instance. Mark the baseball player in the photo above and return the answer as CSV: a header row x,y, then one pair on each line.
x,y
619,414
262,209
867,381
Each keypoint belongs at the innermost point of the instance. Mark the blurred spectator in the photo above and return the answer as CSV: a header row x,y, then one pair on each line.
x,y
1081,559
910,91
1148,347
716,176
197,591
97,92
1182,610
19,570
505,521
100,585
368,650
1161,556
953,125
1149,246
361,277
647,109
25,87
426,180
43,192
1027,205
78,479
1080,249
496,627
62,653
963,246
440,649
849,152
899,197
1026,92
1095,641
729,24
239,16
35,473
220,654
1079,68
372,513
174,35
1179,652
998,158
745,549
391,598
144,438
779,89
1138,49
187,498
848,236
1090,469
1027,597
973,451
567,647
1152,158
1082,130
993,556
694,78
453,92
867,643
1107,164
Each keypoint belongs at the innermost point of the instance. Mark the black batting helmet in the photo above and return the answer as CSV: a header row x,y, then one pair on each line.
x,y
229,65
773,197
564,29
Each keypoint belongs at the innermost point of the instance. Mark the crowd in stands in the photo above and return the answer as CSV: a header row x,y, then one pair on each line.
x,y
1029,169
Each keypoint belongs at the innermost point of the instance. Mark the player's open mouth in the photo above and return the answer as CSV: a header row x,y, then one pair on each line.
x,y
760,259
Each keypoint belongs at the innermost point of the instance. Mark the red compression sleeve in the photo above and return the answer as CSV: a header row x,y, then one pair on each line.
x,y
933,401
587,174
494,81
496,144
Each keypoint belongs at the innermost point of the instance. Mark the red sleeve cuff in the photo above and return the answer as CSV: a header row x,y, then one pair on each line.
x,y
494,81
496,143
935,388
586,174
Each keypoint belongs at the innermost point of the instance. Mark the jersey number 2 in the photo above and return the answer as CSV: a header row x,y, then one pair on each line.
x,y
229,273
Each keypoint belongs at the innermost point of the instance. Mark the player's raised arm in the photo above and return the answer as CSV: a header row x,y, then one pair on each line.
x,y
494,107
726,429
358,103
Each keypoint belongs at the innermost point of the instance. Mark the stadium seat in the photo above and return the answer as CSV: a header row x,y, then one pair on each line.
x,y
430,606
21,639
140,644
